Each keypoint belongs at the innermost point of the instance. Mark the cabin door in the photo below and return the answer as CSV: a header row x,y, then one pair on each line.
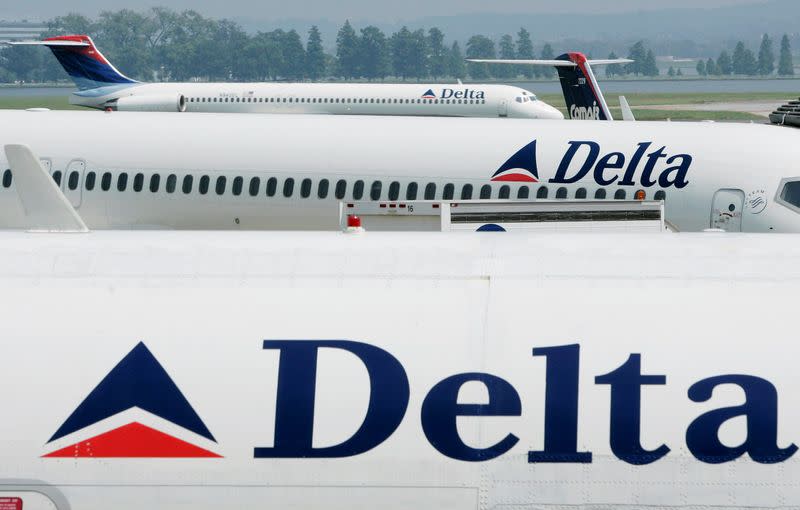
x,y
502,108
726,210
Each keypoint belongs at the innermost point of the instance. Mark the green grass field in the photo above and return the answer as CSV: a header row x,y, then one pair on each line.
x,y
638,102
52,102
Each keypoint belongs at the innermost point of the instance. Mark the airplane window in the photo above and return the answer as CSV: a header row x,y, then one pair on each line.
x,y
447,192
523,193
341,188
172,182
288,187
505,192
203,186
394,190
791,193
7,178
600,194
73,180
138,182
411,191
88,183
561,193
155,181
305,188
322,188
466,192
255,185
122,181
430,191
272,186
660,195
581,193
486,192
188,180
541,192
375,190
358,190
221,184
105,182
238,184
619,195
57,177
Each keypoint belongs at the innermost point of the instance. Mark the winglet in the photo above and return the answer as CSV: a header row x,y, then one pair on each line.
x,y
627,113
46,207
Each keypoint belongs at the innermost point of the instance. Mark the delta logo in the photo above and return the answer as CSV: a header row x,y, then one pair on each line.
x,y
521,167
429,94
110,422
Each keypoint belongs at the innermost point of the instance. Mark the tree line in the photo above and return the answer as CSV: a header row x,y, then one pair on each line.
x,y
745,62
166,45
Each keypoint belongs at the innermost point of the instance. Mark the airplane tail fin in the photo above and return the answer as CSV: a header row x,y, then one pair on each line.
x,y
84,63
581,91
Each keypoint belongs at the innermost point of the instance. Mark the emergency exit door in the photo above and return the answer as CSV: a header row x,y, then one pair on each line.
x,y
726,210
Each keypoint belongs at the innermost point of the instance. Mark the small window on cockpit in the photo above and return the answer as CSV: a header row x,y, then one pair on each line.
x,y
790,194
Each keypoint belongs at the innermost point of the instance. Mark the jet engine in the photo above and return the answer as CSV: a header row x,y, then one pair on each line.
x,y
154,103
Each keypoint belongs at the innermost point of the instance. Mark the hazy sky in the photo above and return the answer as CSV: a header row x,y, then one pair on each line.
x,y
340,9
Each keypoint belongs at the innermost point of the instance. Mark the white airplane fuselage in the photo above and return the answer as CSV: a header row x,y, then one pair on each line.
x,y
436,100
239,370
220,171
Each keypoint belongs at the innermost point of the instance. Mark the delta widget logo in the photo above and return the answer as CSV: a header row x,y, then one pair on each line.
x,y
521,167
140,383
429,94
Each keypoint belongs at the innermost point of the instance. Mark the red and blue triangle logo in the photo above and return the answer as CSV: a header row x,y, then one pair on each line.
x,y
521,167
138,381
429,94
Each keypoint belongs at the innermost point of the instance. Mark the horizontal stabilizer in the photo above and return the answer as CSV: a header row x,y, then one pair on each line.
x,y
49,44
554,63
46,207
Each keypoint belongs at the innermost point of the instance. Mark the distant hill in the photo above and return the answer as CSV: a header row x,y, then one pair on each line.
x,y
668,30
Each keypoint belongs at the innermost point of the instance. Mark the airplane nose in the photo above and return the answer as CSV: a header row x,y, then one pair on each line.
x,y
550,112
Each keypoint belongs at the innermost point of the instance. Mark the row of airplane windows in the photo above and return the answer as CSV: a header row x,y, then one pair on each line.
x,y
346,100
448,191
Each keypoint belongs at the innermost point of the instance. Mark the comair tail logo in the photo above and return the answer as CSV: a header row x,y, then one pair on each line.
x,y
429,94
137,382
521,167
583,96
